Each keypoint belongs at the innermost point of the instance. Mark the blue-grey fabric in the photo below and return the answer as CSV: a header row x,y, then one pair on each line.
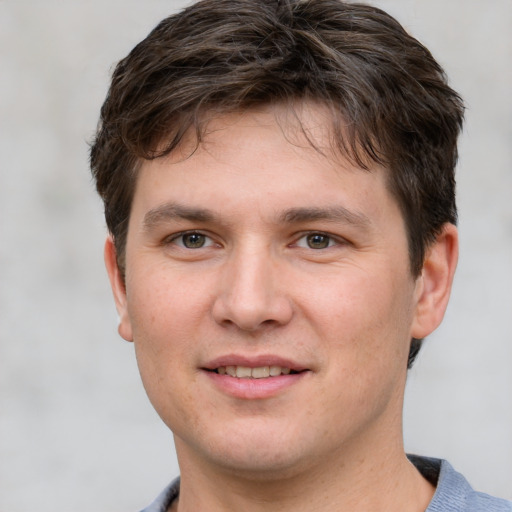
x,y
165,498
453,492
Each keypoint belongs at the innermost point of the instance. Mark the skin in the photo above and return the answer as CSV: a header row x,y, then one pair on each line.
x,y
304,258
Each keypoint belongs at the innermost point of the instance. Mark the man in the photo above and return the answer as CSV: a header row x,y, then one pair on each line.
x,y
278,180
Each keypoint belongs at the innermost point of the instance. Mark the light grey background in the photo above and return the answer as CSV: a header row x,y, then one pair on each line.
x,y
76,430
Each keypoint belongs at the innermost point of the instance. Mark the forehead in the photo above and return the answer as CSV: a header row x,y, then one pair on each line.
x,y
273,157
306,124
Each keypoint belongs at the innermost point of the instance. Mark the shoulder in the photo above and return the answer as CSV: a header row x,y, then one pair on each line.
x,y
453,492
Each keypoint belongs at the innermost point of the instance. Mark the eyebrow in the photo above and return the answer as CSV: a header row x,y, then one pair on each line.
x,y
328,214
172,211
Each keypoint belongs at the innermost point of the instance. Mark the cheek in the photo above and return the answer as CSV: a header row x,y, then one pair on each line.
x,y
165,355
365,331
365,316
167,315
165,307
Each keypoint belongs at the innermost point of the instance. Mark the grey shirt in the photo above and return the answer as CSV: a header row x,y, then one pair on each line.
x,y
453,492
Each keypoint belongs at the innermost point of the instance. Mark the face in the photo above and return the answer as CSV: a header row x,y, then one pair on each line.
x,y
269,296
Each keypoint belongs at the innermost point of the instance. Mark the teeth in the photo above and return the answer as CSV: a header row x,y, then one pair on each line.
x,y
260,373
245,372
275,371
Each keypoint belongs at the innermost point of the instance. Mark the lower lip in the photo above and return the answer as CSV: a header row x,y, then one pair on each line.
x,y
254,389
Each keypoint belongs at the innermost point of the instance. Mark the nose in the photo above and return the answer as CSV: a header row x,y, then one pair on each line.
x,y
252,292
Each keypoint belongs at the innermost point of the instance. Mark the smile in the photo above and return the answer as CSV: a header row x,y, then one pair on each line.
x,y
260,372
254,377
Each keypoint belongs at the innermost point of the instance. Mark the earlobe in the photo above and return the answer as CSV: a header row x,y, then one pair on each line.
x,y
118,289
435,283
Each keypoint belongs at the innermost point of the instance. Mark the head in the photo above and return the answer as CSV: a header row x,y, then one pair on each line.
x,y
388,100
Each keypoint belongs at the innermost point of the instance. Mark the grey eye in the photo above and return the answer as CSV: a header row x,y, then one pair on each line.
x,y
318,241
193,240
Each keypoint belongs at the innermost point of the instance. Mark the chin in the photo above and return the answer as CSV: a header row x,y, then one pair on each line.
x,y
251,452
261,465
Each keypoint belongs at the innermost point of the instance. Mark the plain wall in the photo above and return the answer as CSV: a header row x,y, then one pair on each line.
x,y
76,430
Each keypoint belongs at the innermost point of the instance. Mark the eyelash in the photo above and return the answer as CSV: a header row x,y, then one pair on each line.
x,y
208,242
331,240
174,239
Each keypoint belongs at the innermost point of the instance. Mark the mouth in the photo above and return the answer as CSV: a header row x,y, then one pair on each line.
x,y
254,378
259,372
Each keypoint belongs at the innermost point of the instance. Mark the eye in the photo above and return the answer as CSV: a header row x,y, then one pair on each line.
x,y
191,240
316,241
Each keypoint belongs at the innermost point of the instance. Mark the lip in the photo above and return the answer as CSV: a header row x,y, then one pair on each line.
x,y
254,362
254,389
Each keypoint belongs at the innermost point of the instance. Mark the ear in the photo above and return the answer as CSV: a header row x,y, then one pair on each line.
x,y
118,289
435,282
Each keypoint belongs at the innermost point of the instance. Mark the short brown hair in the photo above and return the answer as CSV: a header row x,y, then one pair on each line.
x,y
389,98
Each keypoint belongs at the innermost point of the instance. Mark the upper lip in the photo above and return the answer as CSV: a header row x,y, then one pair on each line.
x,y
254,362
